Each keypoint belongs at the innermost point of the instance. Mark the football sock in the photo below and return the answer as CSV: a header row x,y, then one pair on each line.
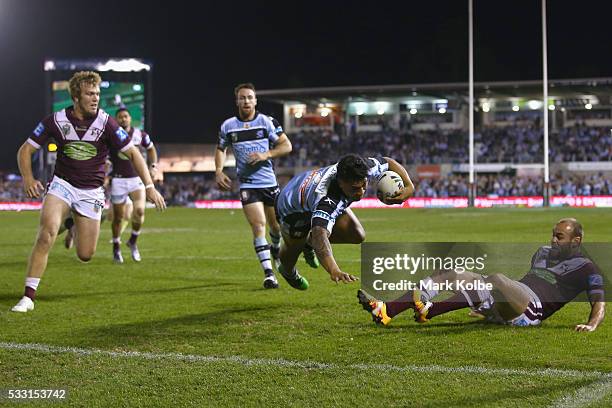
x,y
400,304
455,302
31,284
307,247
427,294
275,239
116,242
262,248
134,237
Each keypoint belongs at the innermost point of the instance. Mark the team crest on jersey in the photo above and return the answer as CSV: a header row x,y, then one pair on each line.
x,y
66,129
246,126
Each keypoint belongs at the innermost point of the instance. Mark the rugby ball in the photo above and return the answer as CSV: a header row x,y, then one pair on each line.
x,y
388,184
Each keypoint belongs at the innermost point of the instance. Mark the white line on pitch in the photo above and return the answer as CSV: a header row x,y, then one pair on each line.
x,y
546,372
587,395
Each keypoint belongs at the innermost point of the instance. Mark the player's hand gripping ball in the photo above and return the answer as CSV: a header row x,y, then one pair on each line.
x,y
388,185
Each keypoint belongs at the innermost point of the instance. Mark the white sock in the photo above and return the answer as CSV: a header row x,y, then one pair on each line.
x,y
32,282
427,294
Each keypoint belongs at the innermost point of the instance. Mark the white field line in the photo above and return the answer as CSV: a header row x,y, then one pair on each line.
x,y
587,395
547,372
222,258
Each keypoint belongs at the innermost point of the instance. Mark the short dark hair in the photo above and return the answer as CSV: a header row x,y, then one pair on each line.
x,y
352,167
246,85
576,226
122,109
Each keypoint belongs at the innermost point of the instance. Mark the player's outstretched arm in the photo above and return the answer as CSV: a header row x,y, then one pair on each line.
x,y
141,169
319,237
408,189
223,182
595,318
32,187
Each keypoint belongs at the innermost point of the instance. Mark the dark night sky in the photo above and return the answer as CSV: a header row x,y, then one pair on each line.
x,y
201,52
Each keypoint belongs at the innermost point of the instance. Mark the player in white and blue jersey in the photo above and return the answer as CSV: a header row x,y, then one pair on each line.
x,y
256,139
314,208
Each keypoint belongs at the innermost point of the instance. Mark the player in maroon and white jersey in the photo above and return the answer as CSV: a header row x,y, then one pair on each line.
x,y
85,135
558,274
125,184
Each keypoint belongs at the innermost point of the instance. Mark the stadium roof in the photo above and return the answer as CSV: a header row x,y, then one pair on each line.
x,y
558,89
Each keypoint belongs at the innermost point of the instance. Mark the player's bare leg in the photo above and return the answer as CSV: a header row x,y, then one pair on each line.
x,y
256,217
290,250
53,213
87,232
511,298
137,217
347,229
118,210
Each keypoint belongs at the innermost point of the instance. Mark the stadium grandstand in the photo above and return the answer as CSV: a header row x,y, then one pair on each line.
x,y
424,126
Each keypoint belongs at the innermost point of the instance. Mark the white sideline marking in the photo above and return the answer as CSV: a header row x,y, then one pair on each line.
x,y
547,372
587,395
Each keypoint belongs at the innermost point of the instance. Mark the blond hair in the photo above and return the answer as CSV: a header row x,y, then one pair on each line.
x,y
81,77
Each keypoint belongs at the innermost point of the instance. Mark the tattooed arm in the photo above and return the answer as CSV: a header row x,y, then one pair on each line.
x,y
319,240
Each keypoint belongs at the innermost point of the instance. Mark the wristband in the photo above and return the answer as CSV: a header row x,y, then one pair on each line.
x,y
148,186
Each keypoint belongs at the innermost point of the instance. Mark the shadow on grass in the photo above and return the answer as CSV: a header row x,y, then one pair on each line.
x,y
436,329
210,326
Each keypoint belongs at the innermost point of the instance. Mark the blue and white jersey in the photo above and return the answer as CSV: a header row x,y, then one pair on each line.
x,y
257,135
317,192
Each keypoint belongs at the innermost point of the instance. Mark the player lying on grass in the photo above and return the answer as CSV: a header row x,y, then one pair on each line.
x,y
313,208
558,273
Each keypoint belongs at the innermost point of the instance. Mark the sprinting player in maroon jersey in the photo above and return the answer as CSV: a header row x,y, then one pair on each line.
x,y
126,183
84,134
558,274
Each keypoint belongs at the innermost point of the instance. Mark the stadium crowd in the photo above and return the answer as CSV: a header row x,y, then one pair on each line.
x,y
511,144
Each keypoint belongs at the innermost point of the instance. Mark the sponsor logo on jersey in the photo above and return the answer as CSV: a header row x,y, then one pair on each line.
x,y
234,137
545,274
260,134
39,129
80,150
121,134
245,195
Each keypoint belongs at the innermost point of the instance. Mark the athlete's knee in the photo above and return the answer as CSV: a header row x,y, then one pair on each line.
x,y
259,228
46,237
498,280
85,255
358,235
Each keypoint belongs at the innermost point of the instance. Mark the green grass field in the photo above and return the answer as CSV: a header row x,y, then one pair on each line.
x,y
205,333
